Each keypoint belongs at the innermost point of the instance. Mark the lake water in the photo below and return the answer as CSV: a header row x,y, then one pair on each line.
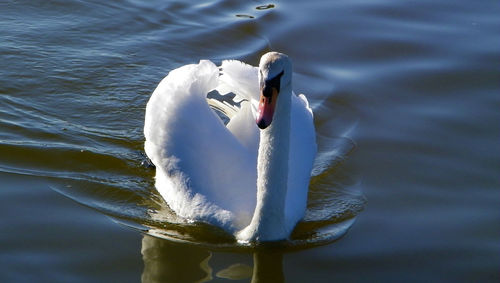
x,y
406,96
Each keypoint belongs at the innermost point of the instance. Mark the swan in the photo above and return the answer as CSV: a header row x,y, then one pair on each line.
x,y
249,177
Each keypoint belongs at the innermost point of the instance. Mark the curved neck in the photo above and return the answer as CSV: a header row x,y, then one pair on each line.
x,y
268,221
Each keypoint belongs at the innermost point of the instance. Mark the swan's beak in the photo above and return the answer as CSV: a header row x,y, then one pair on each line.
x,y
268,97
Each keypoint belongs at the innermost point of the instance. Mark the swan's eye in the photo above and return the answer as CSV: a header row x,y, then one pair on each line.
x,y
272,83
267,91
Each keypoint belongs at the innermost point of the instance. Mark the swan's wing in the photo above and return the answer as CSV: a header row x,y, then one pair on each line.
x,y
244,128
198,160
302,152
240,78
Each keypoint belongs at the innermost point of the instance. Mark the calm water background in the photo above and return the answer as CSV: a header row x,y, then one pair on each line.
x,y
415,84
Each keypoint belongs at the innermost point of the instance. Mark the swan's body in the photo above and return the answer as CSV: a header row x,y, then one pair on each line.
x,y
252,183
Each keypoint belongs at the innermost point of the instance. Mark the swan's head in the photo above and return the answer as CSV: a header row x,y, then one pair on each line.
x,y
275,73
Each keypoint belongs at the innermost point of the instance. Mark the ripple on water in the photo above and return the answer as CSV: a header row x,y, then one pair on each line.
x,y
117,185
333,203
86,148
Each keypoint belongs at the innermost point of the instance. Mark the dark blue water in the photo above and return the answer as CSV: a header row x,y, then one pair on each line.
x,y
406,101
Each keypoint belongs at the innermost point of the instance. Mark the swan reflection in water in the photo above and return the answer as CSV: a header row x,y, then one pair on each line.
x,y
166,261
181,252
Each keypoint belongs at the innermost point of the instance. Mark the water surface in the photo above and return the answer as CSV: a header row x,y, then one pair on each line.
x,y
406,99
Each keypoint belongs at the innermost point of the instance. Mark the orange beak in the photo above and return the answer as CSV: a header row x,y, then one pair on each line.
x,y
265,112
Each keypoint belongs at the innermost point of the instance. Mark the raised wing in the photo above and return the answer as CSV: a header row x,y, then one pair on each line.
x,y
197,156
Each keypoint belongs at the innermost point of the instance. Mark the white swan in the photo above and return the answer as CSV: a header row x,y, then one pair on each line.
x,y
252,183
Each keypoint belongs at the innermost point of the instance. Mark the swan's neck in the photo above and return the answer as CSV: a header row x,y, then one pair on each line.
x,y
268,221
